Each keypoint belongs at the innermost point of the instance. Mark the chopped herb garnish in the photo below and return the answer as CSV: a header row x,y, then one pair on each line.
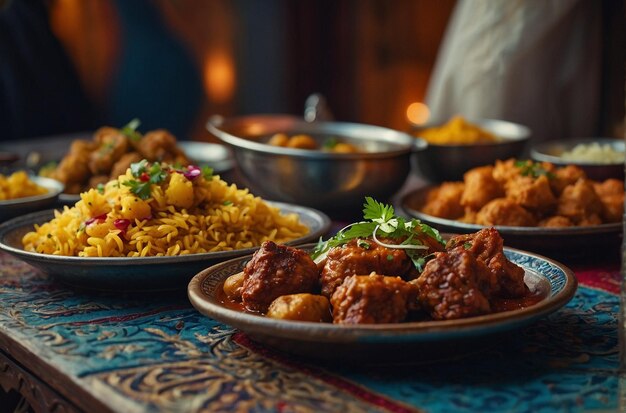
x,y
146,175
363,244
100,188
389,257
467,245
533,169
227,203
207,172
130,130
381,221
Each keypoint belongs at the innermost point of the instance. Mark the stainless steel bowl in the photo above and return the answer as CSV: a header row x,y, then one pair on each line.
x,y
551,151
440,163
324,180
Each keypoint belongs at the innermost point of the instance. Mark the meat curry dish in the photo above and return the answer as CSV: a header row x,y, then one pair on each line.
x,y
386,270
527,194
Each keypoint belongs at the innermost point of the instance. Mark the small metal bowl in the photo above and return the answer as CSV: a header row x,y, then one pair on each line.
x,y
551,151
324,180
439,163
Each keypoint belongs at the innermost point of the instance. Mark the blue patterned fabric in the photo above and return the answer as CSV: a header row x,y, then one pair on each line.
x,y
156,353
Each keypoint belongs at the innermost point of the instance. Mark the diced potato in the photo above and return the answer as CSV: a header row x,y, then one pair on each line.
x,y
233,286
301,307
134,207
180,191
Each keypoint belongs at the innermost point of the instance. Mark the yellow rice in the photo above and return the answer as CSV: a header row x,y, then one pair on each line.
x,y
18,185
221,217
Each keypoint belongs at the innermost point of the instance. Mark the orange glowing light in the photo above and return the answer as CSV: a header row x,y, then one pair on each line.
x,y
417,113
219,76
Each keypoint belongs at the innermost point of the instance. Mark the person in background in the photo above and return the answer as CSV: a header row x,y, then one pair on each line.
x,y
40,93
533,62
145,71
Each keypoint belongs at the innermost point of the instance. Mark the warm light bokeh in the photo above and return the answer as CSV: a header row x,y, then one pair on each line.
x,y
417,113
219,76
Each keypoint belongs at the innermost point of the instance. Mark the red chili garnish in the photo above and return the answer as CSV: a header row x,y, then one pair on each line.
x,y
121,224
99,218
144,177
192,172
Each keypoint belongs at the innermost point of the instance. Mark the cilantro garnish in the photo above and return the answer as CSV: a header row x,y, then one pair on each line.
x,y
207,172
141,189
532,169
100,188
146,175
381,221
130,130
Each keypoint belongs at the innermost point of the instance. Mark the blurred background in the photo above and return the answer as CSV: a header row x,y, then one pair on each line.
x,y
74,65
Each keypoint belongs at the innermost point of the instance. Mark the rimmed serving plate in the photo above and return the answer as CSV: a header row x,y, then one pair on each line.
x,y
14,207
397,342
140,273
562,243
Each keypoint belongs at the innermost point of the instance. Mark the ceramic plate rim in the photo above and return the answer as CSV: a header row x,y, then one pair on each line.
x,y
421,331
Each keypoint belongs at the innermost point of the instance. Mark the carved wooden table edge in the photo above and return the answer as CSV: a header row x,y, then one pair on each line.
x,y
24,373
39,396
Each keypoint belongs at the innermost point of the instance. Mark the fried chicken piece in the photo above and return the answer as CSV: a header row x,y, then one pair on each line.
x,y
507,278
504,171
372,299
454,285
444,201
276,270
611,193
122,164
556,221
112,144
160,146
73,170
480,187
565,176
580,203
503,211
531,193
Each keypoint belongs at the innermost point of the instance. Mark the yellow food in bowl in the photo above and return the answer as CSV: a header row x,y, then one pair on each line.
x,y
18,185
457,131
160,210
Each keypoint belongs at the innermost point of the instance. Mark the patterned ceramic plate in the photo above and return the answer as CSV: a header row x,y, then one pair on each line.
x,y
14,207
386,341
135,274
563,243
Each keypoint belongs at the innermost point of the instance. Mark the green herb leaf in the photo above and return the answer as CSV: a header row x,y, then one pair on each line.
x,y
100,188
207,172
130,130
141,189
138,168
380,221
532,169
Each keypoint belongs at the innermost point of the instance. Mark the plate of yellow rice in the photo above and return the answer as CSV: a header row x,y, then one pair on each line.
x,y
154,228
22,193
